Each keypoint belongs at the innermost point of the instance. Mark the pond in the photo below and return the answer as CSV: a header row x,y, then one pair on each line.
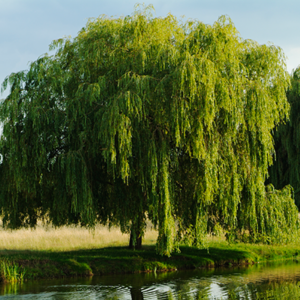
x,y
276,280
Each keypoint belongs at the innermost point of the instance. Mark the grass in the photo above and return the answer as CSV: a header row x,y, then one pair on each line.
x,y
11,272
70,252
67,238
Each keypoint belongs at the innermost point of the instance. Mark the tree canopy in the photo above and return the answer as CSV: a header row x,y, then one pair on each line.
x,y
286,167
142,117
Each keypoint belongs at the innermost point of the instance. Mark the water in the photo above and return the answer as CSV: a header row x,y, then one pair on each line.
x,y
277,280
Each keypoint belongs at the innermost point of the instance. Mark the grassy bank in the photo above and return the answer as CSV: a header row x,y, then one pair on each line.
x,y
71,252
116,260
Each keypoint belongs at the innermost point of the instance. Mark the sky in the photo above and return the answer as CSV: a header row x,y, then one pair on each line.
x,y
27,27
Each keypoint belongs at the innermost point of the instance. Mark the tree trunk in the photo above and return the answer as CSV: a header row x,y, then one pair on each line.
x,y
136,233
138,241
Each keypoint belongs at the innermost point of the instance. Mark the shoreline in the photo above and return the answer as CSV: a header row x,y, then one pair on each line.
x,y
121,260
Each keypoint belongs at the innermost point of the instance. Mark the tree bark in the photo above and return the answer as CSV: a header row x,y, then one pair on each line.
x,y
136,234
138,241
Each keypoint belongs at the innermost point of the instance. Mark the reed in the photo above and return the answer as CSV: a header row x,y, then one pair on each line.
x,y
11,272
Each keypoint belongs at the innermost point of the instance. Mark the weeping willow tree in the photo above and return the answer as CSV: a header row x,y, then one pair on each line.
x,y
286,167
142,118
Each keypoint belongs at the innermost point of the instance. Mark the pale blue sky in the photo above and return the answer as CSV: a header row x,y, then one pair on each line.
x,y
27,27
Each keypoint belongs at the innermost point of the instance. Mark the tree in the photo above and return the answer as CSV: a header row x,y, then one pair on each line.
x,y
285,169
141,117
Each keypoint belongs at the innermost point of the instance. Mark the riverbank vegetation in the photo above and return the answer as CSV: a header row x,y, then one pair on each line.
x,y
121,260
90,255
11,271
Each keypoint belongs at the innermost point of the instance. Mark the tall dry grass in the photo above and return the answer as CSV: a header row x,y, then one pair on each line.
x,y
67,238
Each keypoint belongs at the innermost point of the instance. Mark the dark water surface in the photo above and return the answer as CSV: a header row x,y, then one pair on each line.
x,y
277,280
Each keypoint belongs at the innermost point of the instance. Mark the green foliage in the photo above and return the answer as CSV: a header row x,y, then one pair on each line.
x,y
142,117
11,272
286,167
277,217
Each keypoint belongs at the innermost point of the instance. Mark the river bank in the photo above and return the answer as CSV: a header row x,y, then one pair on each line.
x,y
121,260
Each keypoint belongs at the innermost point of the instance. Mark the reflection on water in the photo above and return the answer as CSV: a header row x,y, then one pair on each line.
x,y
280,280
